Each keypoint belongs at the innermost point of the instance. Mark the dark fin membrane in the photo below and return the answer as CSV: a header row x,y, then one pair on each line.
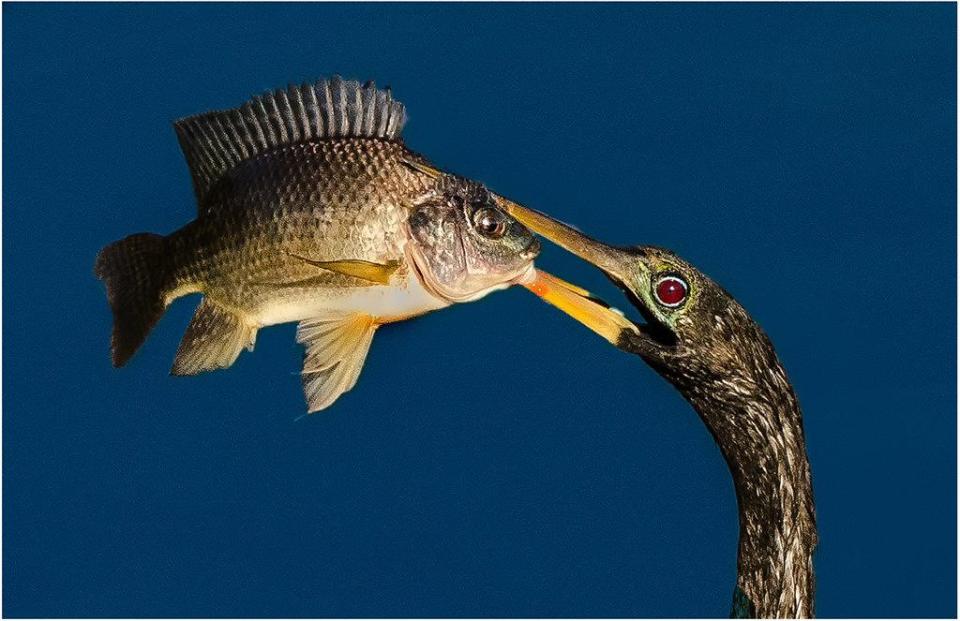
x,y
337,347
134,271
213,340
216,142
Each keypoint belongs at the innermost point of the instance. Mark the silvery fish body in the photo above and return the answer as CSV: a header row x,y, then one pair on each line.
x,y
311,209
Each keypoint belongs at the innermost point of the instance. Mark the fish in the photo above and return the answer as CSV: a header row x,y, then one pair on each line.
x,y
311,209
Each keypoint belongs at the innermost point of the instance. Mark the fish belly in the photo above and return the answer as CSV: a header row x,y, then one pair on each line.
x,y
385,303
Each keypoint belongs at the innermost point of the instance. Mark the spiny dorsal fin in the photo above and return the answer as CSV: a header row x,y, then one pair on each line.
x,y
215,142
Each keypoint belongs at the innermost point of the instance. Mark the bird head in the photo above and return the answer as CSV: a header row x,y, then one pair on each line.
x,y
693,330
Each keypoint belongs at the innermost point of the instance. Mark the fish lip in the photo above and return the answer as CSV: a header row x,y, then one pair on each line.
x,y
532,251
527,276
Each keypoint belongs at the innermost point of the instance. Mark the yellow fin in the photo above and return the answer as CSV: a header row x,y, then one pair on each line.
x,y
336,348
379,273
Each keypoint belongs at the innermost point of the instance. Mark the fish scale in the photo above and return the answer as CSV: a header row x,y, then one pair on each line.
x,y
302,200
311,209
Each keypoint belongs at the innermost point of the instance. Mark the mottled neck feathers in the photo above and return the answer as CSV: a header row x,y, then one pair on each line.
x,y
216,142
760,433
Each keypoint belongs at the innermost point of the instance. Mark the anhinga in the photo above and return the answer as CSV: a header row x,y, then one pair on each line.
x,y
705,344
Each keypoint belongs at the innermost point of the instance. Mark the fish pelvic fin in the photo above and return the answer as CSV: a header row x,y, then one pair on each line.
x,y
135,271
336,348
213,340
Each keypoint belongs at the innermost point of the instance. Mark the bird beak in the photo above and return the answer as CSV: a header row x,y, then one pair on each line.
x,y
607,258
579,304
571,299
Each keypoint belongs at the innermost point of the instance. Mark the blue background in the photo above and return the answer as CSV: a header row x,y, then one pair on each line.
x,y
495,458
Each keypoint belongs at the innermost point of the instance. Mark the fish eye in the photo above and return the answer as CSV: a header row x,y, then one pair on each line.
x,y
671,290
491,222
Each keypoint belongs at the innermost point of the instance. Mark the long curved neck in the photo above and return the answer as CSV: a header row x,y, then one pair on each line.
x,y
759,429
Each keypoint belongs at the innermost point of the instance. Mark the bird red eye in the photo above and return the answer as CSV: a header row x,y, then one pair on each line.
x,y
671,291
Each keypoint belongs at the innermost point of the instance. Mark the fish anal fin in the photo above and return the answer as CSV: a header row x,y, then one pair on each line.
x,y
378,273
336,348
213,340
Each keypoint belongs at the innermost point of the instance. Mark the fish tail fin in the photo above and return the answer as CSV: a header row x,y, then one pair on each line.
x,y
135,272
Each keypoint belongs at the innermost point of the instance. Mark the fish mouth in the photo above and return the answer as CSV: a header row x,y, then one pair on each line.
x,y
531,251
586,308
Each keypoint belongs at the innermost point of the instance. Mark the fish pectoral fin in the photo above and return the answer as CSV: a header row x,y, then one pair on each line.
x,y
336,348
213,340
379,273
